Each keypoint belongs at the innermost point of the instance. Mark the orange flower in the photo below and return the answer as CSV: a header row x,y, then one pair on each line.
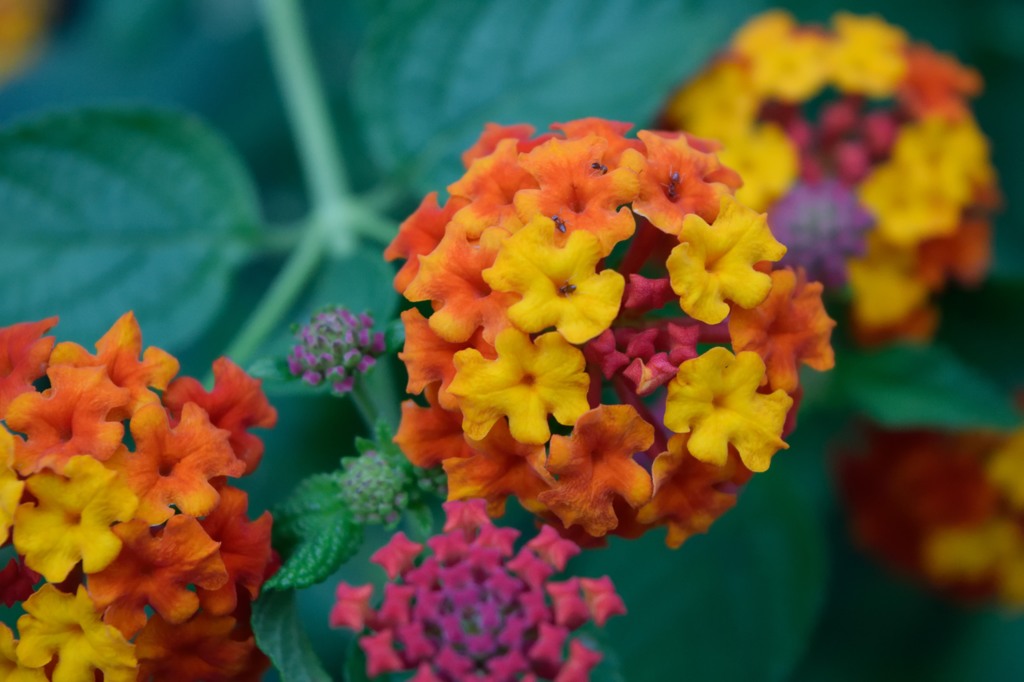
x,y
489,187
451,278
244,549
174,466
595,465
428,357
68,419
430,435
494,133
579,190
937,84
418,235
118,351
790,327
688,494
156,567
236,404
614,133
23,356
679,180
206,647
499,466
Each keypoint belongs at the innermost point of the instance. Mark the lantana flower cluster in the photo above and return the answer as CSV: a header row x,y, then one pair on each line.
x,y
606,337
946,508
862,147
476,609
114,494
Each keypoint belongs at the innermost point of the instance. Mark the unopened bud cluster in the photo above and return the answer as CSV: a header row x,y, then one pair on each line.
x,y
334,348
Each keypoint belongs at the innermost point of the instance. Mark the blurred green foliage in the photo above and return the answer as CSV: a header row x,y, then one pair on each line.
x,y
116,206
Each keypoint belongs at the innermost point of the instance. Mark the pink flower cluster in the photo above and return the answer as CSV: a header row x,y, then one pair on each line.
x,y
475,609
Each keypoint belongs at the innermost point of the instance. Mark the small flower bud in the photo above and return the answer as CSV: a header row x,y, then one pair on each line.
x,y
334,348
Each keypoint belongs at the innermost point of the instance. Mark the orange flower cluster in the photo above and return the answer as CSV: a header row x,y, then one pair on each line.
x,y
945,508
862,147
113,489
607,339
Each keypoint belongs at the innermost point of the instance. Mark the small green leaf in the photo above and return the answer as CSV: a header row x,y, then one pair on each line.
x,y
272,370
280,635
432,74
419,521
915,386
109,210
316,531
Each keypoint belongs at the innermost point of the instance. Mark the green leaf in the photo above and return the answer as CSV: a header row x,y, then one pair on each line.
x,y
433,73
736,604
109,210
419,521
915,386
280,635
316,531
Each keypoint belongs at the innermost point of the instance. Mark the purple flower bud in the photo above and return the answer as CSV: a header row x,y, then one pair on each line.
x,y
334,347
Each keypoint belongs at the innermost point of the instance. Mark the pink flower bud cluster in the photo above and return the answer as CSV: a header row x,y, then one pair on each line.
x,y
475,609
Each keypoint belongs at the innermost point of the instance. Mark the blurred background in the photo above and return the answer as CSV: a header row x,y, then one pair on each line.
x,y
777,590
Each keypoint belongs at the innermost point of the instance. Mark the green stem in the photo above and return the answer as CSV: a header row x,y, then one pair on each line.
x,y
322,166
364,403
305,102
281,295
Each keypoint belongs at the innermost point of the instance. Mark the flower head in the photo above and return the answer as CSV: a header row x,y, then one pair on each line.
x,y
573,291
131,529
862,147
474,607
945,508
335,348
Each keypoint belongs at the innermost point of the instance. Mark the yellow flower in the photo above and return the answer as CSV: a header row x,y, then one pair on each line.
x,y
885,288
714,398
10,486
868,55
954,153
11,669
969,553
720,104
22,25
69,627
767,161
526,382
1006,469
70,522
713,263
909,203
559,286
785,63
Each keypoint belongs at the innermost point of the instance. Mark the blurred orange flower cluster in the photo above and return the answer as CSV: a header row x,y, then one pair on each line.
x,y
113,490
947,508
607,339
862,147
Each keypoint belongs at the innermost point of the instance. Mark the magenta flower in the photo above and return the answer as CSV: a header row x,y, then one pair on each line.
x,y
472,608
